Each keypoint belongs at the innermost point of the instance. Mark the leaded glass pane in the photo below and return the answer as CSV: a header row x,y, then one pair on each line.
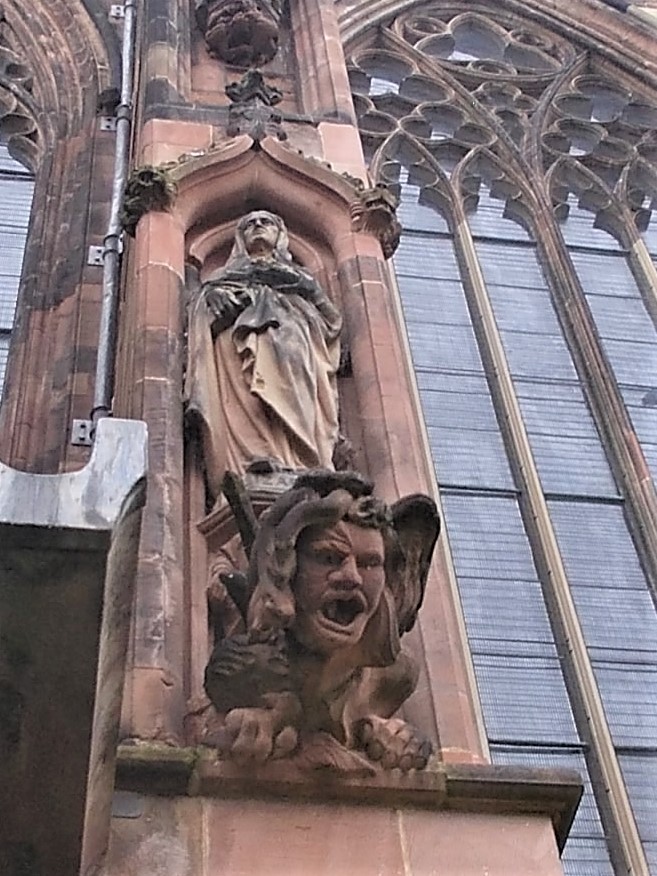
x,y
640,774
625,327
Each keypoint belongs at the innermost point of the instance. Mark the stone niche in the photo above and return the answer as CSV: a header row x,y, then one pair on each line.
x,y
309,602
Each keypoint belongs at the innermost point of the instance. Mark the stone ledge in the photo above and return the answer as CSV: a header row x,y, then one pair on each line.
x,y
84,502
151,768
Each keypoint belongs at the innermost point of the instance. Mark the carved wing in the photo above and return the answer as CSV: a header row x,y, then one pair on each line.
x,y
417,525
240,672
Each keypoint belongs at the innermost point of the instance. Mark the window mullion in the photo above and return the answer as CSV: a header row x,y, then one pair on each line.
x,y
644,267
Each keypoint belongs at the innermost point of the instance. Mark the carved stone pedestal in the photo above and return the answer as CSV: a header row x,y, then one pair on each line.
x,y
465,820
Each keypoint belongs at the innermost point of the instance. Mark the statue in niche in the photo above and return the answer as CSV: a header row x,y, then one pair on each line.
x,y
314,672
263,352
243,33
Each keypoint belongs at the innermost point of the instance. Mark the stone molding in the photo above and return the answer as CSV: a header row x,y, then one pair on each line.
x,y
148,188
155,769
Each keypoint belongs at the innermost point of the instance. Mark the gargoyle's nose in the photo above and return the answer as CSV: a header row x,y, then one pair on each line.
x,y
347,576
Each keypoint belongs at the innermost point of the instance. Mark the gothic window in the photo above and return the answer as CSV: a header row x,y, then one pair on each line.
x,y
16,187
527,171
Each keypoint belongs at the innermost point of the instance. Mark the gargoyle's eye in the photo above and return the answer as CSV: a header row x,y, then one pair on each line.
x,y
329,557
372,561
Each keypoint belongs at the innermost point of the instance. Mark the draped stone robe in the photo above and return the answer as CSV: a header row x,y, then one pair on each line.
x,y
263,352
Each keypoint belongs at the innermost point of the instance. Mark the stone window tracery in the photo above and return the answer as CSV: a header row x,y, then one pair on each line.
x,y
527,172
19,147
17,104
16,188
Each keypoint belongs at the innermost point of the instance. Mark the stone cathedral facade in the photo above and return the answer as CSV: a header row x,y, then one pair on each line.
x,y
328,437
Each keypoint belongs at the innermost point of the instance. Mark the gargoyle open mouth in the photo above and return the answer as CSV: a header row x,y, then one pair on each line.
x,y
343,610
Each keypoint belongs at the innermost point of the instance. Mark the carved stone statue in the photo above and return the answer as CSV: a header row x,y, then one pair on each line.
x,y
263,351
243,33
335,579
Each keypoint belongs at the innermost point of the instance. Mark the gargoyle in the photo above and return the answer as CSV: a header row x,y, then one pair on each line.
x,y
374,210
335,578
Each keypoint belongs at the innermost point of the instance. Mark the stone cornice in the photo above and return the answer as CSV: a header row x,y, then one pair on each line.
x,y
149,768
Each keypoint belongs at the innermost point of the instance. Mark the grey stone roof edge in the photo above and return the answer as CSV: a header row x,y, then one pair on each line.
x,y
91,498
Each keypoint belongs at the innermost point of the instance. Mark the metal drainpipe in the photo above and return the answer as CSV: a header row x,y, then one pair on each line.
x,y
102,403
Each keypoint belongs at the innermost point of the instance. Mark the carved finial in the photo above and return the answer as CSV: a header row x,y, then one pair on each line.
x,y
251,108
251,87
148,188
243,33
373,210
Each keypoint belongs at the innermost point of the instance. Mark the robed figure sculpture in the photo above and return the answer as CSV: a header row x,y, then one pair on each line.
x,y
263,352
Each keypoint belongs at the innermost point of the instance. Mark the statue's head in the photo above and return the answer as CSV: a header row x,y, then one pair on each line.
x,y
331,566
341,578
261,234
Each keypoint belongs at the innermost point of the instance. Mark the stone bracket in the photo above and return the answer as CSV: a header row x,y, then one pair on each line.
x,y
82,433
108,123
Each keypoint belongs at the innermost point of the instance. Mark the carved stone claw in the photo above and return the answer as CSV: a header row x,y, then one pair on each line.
x,y
393,742
255,735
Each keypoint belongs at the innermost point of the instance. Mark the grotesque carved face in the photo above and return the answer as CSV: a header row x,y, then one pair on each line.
x,y
338,586
260,231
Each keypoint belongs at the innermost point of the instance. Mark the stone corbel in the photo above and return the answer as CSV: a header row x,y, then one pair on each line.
x,y
148,188
242,33
374,211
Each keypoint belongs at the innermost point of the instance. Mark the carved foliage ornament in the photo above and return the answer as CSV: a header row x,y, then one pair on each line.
x,y
251,111
148,188
374,211
317,671
243,33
